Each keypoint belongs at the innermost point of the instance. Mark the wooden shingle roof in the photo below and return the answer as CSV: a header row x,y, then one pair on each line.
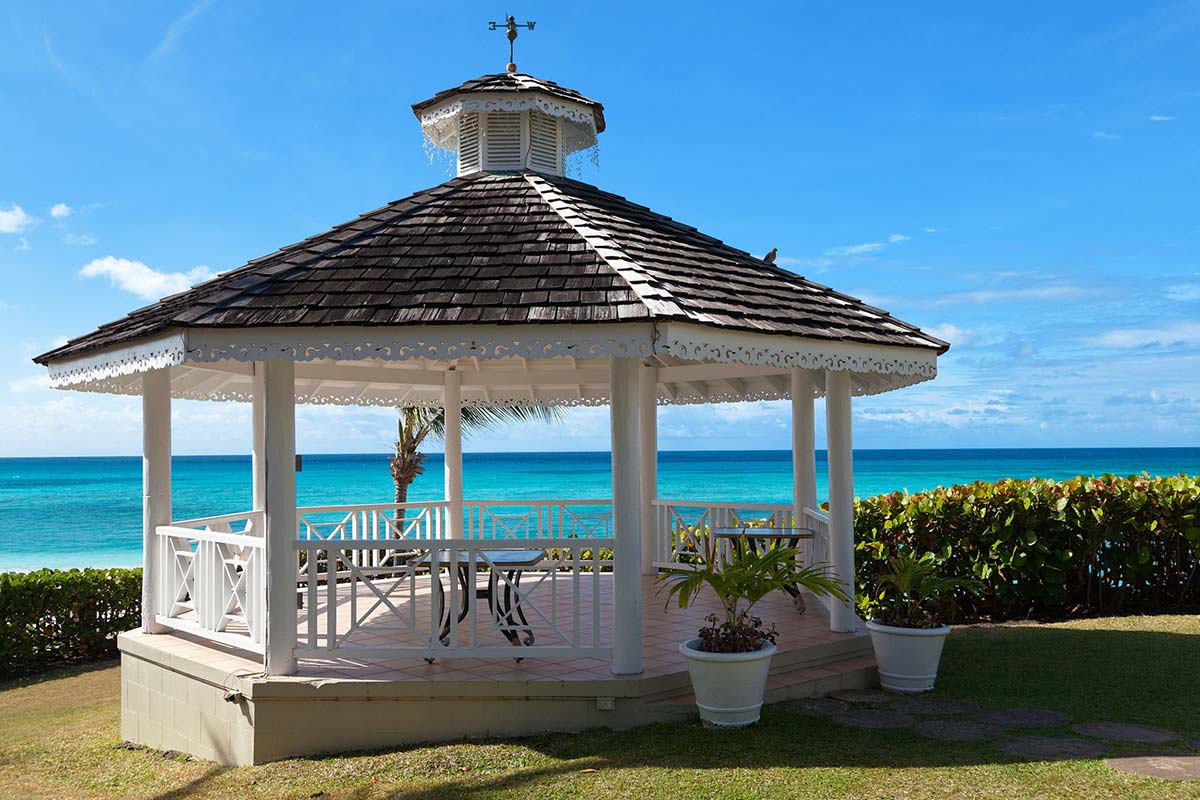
x,y
511,249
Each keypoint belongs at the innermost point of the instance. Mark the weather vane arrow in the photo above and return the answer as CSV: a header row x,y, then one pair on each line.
x,y
510,26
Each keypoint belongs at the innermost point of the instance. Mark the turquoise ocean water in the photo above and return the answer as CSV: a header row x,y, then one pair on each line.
x,y
74,512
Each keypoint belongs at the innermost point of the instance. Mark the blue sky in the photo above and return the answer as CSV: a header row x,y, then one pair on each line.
x,y
1019,178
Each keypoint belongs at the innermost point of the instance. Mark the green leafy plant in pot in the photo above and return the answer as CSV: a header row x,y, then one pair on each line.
x,y
729,659
906,629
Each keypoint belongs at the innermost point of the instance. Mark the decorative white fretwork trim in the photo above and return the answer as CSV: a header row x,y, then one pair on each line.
x,y
440,123
875,368
156,353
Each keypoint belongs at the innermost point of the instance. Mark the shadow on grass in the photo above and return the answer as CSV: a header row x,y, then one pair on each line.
x,y
192,786
8,682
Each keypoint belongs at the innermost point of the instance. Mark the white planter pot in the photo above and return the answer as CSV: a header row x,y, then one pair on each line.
x,y
728,686
908,657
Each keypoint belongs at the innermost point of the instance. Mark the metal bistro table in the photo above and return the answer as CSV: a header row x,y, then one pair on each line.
x,y
508,563
760,539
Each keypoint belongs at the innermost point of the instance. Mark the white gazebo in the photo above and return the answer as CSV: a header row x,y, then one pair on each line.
x,y
508,285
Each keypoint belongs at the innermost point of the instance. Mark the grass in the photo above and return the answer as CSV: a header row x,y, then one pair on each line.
x,y
59,737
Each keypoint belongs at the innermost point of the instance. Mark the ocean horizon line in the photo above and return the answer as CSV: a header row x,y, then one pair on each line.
x,y
1079,449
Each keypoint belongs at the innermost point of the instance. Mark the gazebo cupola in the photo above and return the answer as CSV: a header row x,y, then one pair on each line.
x,y
511,122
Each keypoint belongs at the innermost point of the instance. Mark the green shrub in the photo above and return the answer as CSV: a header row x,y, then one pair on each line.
x,y
1043,548
53,617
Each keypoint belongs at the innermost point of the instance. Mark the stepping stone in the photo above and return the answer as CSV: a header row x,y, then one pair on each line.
x,y
875,718
814,706
1024,717
1052,748
1122,732
958,730
863,697
1167,767
935,706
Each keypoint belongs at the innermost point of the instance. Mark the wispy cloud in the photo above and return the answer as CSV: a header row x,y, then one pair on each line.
x,y
1034,293
15,220
23,245
30,383
1174,333
898,237
1183,292
933,230
80,239
956,336
855,249
1106,136
60,211
143,281
178,28
1161,118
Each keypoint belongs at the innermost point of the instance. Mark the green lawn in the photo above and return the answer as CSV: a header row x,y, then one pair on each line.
x,y
59,737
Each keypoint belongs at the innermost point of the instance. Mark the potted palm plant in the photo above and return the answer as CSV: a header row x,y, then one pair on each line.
x,y
906,630
729,659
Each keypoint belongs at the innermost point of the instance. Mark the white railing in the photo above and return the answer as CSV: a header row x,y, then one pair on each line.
x,y
211,579
817,549
537,519
462,598
682,527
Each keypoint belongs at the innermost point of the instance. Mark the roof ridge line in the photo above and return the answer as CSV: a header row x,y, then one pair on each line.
x,y
657,300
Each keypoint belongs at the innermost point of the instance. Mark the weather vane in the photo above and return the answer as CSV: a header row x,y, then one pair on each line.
x,y
511,26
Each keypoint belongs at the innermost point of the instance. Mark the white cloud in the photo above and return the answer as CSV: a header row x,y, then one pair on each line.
x,y
23,245
855,249
1161,118
1184,292
981,296
80,239
178,28
60,211
933,230
30,383
15,220
141,280
898,237
1106,136
1184,332
956,336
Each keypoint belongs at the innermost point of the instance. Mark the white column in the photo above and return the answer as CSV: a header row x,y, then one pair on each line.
x,y
280,438
452,402
258,437
648,440
627,552
156,486
804,453
839,437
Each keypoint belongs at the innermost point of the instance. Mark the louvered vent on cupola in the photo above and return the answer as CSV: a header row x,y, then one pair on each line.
x,y
510,141
468,144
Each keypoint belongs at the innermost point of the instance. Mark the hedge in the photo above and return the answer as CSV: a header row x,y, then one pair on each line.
x,y
54,617
1044,548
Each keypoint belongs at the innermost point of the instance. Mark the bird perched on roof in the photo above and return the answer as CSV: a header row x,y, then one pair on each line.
x,y
770,257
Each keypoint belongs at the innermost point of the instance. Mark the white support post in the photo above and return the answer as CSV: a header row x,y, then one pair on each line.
x,y
258,437
627,551
648,440
452,403
804,452
842,616
156,488
279,381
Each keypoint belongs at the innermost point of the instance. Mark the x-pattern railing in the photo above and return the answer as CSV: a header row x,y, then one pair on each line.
x,y
433,605
212,578
682,527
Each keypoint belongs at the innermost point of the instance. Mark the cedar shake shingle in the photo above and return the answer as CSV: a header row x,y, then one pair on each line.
x,y
569,252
